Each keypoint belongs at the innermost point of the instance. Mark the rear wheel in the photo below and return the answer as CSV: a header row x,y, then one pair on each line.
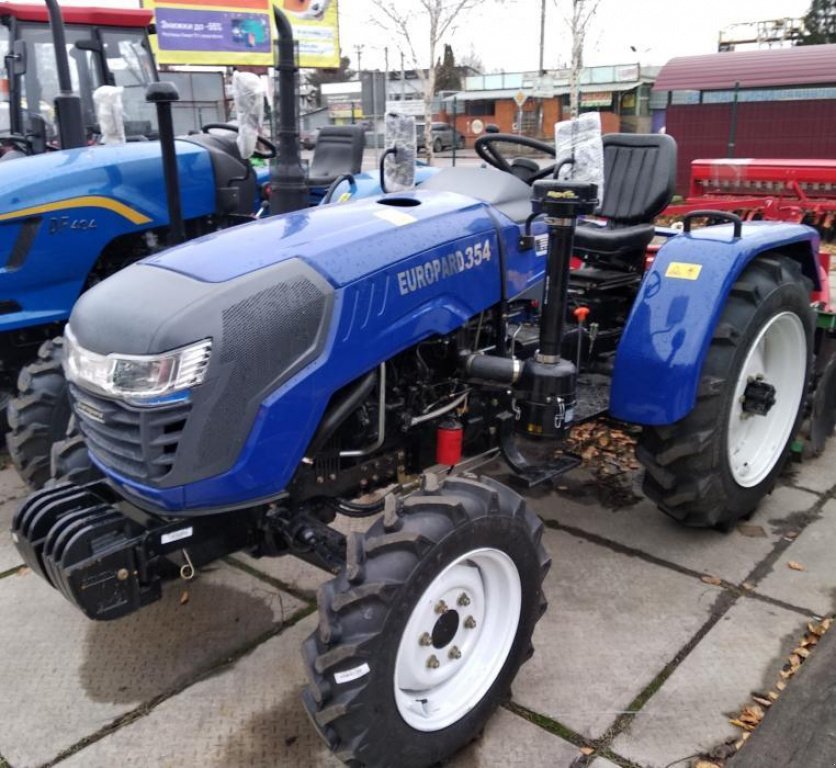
x,y
422,634
714,466
38,416
437,146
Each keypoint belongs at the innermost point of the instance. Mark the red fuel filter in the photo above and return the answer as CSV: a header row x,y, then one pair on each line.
x,y
449,438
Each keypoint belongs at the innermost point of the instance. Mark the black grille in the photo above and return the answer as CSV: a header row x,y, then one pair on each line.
x,y
139,443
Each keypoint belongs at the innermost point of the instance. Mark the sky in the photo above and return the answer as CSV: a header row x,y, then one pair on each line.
x,y
505,36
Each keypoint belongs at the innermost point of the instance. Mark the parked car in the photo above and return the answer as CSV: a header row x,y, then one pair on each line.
x,y
443,136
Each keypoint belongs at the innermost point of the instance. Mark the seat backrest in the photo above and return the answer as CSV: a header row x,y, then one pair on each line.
x,y
639,176
339,149
236,185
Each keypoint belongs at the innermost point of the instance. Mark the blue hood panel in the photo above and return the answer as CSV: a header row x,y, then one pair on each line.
x,y
342,242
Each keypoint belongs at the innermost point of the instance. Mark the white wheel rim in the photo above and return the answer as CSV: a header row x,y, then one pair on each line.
x,y
434,687
778,357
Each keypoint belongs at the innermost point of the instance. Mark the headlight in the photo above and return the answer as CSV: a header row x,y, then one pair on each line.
x,y
141,379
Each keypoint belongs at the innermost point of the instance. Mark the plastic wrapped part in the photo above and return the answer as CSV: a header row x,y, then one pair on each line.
x,y
248,93
580,141
399,167
110,113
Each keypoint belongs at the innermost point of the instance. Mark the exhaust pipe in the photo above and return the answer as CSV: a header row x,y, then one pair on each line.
x,y
288,188
71,131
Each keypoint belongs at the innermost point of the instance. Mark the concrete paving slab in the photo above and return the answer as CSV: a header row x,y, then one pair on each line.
x,y
643,527
251,715
12,490
742,653
64,677
510,740
613,623
817,474
814,587
602,762
800,728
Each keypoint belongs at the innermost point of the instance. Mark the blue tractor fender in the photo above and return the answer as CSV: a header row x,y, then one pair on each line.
x,y
672,322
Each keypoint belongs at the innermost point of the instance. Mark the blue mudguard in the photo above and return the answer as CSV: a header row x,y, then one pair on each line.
x,y
665,341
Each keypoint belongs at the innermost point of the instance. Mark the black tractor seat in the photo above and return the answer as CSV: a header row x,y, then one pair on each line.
x,y
338,150
236,184
639,182
504,191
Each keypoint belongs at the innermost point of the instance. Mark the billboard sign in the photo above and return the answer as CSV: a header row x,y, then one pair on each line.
x,y
240,32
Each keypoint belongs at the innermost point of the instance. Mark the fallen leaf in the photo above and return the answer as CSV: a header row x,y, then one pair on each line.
x,y
752,531
751,715
184,598
772,696
744,737
762,701
795,566
713,580
780,685
705,764
748,586
587,750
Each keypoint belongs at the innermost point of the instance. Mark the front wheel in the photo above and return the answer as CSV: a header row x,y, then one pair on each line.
x,y
437,146
38,416
422,634
713,467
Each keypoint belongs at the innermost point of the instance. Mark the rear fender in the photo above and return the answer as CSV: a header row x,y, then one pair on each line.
x,y
666,339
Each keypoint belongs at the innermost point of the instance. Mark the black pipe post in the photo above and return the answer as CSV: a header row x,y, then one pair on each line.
x,y
68,113
561,202
555,291
288,188
163,95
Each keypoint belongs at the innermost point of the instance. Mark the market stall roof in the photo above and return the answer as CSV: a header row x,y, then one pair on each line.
x,y
801,65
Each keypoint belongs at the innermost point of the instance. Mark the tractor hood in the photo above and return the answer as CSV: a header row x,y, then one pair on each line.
x,y
126,180
175,298
304,302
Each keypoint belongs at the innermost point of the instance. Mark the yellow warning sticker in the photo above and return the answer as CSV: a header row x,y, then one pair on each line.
x,y
683,271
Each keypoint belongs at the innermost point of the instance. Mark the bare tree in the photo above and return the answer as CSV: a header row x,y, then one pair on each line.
x,y
582,13
421,26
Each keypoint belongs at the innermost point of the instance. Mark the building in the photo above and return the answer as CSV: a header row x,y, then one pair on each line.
x,y
775,103
528,103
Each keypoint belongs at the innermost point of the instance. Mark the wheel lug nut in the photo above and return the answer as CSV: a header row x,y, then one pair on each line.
x,y
455,653
441,607
470,623
433,662
425,639
464,600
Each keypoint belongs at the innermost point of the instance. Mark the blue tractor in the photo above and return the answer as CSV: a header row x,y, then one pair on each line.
x,y
240,391
82,212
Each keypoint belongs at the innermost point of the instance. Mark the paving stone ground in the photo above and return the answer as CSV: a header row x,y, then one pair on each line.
x,y
12,488
636,656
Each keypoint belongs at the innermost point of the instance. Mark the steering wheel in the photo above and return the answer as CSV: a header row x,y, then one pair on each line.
x,y
268,149
486,147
